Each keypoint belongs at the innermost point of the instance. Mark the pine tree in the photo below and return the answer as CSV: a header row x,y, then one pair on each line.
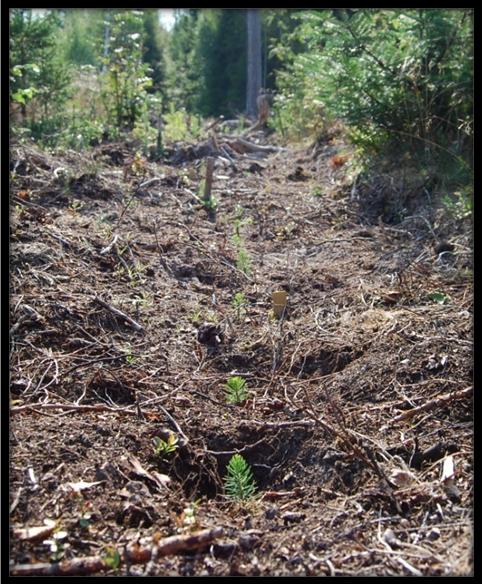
x,y
38,74
154,51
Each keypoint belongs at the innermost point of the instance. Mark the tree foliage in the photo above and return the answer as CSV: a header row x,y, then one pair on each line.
x,y
392,75
39,78
400,79
154,49
126,77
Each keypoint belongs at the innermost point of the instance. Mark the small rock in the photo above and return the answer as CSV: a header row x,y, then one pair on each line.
x,y
433,534
271,513
224,550
135,488
247,542
291,517
209,334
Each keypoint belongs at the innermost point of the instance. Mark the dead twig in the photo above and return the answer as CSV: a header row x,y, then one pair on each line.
x,y
16,501
134,554
119,313
174,423
110,246
433,403
80,408
307,423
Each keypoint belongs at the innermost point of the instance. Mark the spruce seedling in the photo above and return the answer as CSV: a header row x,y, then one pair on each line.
x,y
243,261
235,389
239,302
239,482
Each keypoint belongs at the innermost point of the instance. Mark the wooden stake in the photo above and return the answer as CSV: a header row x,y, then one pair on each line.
x,y
208,183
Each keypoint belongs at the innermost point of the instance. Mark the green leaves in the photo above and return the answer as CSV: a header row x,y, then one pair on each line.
x,y
239,482
23,95
239,302
164,448
438,297
126,81
112,558
400,71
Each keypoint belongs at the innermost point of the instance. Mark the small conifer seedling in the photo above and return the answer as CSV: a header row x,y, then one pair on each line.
x,y
239,482
236,391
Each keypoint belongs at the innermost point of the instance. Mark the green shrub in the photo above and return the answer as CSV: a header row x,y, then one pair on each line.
x,y
398,78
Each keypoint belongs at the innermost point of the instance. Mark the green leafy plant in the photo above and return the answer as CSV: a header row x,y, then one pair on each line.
x,y
76,205
239,482
402,84
439,297
179,125
84,507
163,448
126,78
460,204
210,204
239,221
143,301
188,518
235,389
112,558
40,80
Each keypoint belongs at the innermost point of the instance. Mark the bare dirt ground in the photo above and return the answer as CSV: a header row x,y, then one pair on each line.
x,y
358,426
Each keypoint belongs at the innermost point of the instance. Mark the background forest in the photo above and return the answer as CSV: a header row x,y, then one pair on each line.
x,y
400,80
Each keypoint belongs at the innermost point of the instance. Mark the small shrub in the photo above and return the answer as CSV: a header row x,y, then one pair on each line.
x,y
180,126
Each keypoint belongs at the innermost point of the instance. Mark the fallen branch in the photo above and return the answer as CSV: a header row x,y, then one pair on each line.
x,y
433,403
218,146
110,246
134,554
242,146
308,423
80,408
121,314
26,203
214,124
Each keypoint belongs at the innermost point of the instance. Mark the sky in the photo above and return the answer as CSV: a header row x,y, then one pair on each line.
x,y
166,16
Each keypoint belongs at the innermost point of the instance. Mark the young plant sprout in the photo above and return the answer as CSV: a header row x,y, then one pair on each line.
x,y
163,448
